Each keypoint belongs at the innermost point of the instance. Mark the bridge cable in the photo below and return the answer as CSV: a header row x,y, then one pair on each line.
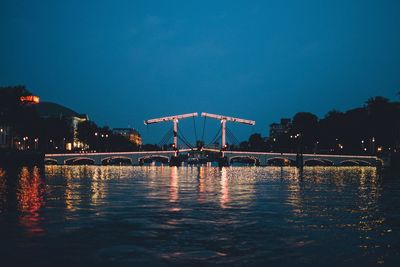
x,y
167,136
185,142
204,127
215,140
164,142
232,136
183,138
229,140
217,136
195,130
167,141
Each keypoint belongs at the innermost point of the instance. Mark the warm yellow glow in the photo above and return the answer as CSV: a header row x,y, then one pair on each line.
x,y
173,196
201,197
30,99
68,146
224,193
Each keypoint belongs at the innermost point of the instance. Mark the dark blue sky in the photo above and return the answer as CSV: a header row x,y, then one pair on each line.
x,y
125,61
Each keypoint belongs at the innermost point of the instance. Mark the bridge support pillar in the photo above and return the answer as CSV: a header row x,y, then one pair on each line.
x,y
175,161
299,161
223,162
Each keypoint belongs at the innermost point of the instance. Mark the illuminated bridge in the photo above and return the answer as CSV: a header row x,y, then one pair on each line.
x,y
265,159
258,158
133,158
225,157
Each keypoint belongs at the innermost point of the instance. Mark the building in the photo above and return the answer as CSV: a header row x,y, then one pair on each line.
x,y
277,129
53,110
13,100
129,133
5,136
75,120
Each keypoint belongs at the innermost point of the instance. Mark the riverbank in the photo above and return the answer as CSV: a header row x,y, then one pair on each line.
x,y
8,158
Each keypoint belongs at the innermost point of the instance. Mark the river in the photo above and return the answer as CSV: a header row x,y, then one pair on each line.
x,y
163,216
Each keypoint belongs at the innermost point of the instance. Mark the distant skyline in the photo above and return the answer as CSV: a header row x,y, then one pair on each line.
x,y
122,62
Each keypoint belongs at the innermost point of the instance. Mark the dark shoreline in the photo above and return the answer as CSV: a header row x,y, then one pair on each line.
x,y
29,158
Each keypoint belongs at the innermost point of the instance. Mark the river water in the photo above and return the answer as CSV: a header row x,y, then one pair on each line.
x,y
190,216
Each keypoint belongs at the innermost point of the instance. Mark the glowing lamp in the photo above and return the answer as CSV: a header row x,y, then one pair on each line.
x,y
30,99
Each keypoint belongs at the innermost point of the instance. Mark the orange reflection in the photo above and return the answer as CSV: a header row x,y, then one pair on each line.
x,y
174,188
202,188
30,199
224,194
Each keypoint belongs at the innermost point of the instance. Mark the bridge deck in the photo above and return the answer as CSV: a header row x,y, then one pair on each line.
x,y
262,157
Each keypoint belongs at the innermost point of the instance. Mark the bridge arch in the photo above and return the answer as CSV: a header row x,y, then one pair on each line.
x,y
349,162
364,163
156,158
318,162
50,161
281,161
116,160
79,161
244,159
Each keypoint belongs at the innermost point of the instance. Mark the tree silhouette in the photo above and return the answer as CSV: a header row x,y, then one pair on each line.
x,y
305,126
256,142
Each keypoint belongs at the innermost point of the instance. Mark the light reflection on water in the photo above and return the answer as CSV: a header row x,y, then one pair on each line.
x,y
30,198
105,215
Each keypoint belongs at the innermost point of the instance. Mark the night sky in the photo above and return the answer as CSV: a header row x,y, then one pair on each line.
x,y
122,62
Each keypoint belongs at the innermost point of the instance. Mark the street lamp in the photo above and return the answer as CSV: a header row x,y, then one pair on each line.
x,y
24,143
36,143
373,145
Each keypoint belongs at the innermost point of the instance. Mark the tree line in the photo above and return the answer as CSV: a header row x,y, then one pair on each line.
x,y
371,129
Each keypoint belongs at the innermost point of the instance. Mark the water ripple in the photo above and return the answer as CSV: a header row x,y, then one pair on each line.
x,y
119,216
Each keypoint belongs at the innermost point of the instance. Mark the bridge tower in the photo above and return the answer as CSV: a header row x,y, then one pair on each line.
x,y
175,119
225,119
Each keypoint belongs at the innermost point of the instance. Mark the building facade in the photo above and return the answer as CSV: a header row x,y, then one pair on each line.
x,y
76,143
13,100
277,129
